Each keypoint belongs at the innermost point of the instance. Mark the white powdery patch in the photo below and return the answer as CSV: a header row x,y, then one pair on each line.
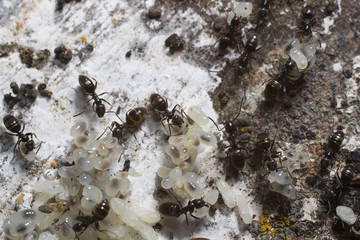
x,y
337,67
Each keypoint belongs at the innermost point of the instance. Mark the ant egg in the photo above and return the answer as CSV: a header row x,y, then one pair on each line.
x,y
167,183
280,177
23,222
74,205
69,171
78,128
346,214
102,149
174,153
178,140
191,186
196,114
304,157
74,187
309,50
184,165
291,44
117,150
163,171
6,227
112,187
101,178
94,192
191,161
194,141
32,236
291,155
205,137
111,142
82,142
48,236
85,163
88,202
226,193
211,196
46,220
299,58
286,190
292,166
65,231
243,9
103,163
125,186
85,179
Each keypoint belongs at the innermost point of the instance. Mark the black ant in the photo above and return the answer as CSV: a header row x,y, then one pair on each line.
x,y
134,118
238,155
12,124
89,88
277,85
307,18
230,37
264,150
263,10
335,141
99,213
173,117
170,209
243,60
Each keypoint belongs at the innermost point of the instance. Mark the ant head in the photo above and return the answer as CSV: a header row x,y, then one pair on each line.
x,y
199,203
348,174
78,227
252,43
100,110
325,163
177,120
235,21
308,13
262,14
290,64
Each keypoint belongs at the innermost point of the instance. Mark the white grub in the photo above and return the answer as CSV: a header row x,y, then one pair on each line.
x,y
280,177
127,215
147,214
243,208
299,58
69,171
211,196
226,193
163,171
85,179
48,236
286,190
32,236
51,187
346,214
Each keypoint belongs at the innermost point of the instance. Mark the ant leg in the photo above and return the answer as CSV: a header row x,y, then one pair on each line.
x,y
103,93
11,134
105,101
194,216
79,113
216,125
111,128
17,144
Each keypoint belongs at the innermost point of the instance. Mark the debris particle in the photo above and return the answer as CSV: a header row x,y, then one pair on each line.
x,y
128,54
63,54
347,73
174,43
20,199
154,12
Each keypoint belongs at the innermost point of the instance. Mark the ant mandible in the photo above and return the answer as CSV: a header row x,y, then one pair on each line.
x,y
89,88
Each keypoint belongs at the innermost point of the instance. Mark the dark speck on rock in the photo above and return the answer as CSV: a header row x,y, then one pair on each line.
x,y
296,134
347,73
303,128
359,90
288,124
322,66
174,43
340,128
344,86
295,141
311,181
356,207
128,54
310,135
333,103
306,98
344,103
355,155
333,88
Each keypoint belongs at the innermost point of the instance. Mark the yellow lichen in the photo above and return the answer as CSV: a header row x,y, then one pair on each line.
x,y
62,107
114,20
83,38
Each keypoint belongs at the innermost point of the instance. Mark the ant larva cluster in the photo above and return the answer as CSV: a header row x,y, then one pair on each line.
x,y
83,202
281,181
302,54
183,151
